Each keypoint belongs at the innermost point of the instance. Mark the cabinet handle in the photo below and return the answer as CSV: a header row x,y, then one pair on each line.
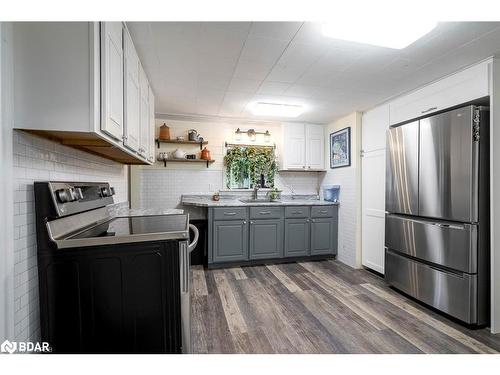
x,y
265,212
229,213
430,109
307,220
296,212
251,222
245,222
324,211
309,167
303,167
313,221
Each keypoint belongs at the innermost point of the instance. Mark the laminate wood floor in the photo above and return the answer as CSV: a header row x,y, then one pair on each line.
x,y
318,307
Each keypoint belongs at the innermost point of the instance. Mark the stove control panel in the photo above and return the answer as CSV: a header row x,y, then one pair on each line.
x,y
74,197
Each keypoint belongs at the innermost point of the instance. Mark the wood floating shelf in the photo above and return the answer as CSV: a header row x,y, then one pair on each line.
x,y
165,161
174,141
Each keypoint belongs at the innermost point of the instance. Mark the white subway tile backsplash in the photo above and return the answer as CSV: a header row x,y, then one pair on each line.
x,y
37,159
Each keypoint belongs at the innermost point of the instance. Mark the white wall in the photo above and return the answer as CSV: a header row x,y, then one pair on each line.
x,y
6,199
157,186
39,159
349,179
494,194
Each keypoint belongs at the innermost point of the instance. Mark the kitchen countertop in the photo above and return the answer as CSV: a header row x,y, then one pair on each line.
x,y
206,201
124,211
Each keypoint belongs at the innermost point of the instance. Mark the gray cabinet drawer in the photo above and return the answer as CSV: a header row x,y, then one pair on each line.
x,y
266,212
296,212
323,211
230,213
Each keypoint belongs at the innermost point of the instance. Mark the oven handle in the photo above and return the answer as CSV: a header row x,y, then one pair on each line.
x,y
193,243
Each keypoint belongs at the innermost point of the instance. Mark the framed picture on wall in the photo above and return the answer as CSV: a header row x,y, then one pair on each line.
x,y
340,148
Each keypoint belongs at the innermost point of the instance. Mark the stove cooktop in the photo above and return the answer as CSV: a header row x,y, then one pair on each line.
x,y
135,225
129,229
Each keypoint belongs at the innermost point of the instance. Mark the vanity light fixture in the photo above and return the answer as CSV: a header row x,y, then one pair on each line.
x,y
397,34
252,134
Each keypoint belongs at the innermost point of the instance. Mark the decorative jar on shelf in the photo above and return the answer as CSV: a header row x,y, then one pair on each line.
x,y
164,132
205,154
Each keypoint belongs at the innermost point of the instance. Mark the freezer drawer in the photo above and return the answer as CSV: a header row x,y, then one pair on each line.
x,y
447,244
401,195
453,294
448,174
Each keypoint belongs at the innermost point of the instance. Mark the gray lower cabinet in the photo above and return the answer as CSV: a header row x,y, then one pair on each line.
x,y
271,233
230,242
324,236
266,239
297,237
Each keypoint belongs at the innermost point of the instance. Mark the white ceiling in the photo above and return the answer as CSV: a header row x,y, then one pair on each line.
x,y
219,68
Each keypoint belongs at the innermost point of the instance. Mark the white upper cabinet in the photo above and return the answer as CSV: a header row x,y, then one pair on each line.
x,y
112,79
303,147
462,87
152,126
132,95
315,146
294,145
79,83
145,127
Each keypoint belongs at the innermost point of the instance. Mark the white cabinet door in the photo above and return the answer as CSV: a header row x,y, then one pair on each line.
x,y
458,88
294,146
374,126
152,126
315,146
112,79
132,124
144,114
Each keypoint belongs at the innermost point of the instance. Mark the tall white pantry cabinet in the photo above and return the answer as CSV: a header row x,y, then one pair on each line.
x,y
82,83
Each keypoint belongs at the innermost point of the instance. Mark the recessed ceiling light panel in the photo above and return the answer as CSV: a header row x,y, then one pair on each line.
x,y
396,35
276,109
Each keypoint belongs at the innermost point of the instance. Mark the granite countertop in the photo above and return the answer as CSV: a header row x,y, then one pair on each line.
x,y
231,201
147,212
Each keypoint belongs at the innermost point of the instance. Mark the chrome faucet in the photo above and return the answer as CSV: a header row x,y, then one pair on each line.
x,y
255,191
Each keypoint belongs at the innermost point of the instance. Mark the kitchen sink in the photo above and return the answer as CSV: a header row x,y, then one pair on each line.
x,y
259,200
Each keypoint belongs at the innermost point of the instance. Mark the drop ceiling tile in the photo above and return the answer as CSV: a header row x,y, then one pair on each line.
x,y
286,73
301,91
273,88
209,101
301,54
244,85
213,81
276,30
262,49
252,69
330,93
216,66
234,103
175,105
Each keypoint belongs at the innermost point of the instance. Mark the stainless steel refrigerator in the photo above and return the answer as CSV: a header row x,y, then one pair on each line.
x,y
437,221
